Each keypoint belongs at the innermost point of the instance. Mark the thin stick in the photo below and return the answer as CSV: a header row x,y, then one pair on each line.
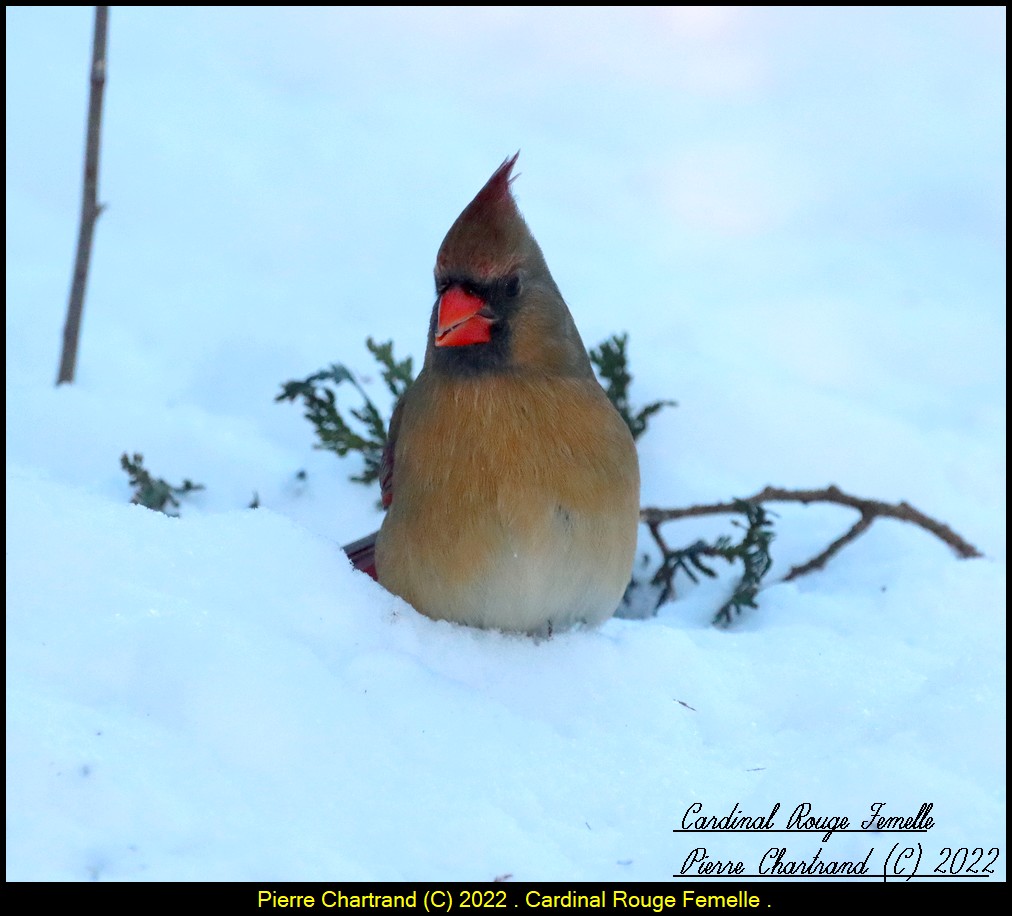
x,y
870,509
90,207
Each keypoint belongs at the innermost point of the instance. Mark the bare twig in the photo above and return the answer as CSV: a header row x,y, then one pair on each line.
x,y
820,560
870,509
90,207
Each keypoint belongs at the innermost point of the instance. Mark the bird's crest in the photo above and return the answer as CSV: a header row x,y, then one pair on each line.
x,y
497,188
490,236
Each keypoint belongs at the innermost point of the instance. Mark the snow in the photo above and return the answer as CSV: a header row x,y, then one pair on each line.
x,y
799,217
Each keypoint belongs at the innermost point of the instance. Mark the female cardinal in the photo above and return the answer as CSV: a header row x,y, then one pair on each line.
x,y
511,480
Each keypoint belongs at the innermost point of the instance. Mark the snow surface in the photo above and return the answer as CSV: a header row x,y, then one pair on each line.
x,y
798,215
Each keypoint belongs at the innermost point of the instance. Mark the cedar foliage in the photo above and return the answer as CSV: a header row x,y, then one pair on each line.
x,y
154,492
612,365
366,433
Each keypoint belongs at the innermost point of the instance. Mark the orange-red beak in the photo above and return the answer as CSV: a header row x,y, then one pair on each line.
x,y
462,319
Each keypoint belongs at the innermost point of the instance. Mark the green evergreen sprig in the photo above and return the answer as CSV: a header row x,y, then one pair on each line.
x,y
153,492
753,551
688,560
368,435
612,364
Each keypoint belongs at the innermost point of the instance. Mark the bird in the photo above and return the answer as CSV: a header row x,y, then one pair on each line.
x,y
511,482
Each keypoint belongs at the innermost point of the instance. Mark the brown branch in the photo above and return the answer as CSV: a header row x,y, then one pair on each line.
x,y
90,207
870,509
817,562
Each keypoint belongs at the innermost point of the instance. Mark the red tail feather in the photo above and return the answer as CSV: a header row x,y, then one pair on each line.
x,y
362,554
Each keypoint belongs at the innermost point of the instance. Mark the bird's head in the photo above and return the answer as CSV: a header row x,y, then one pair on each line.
x,y
497,307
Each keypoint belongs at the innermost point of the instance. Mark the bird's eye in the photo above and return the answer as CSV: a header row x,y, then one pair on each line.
x,y
512,286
